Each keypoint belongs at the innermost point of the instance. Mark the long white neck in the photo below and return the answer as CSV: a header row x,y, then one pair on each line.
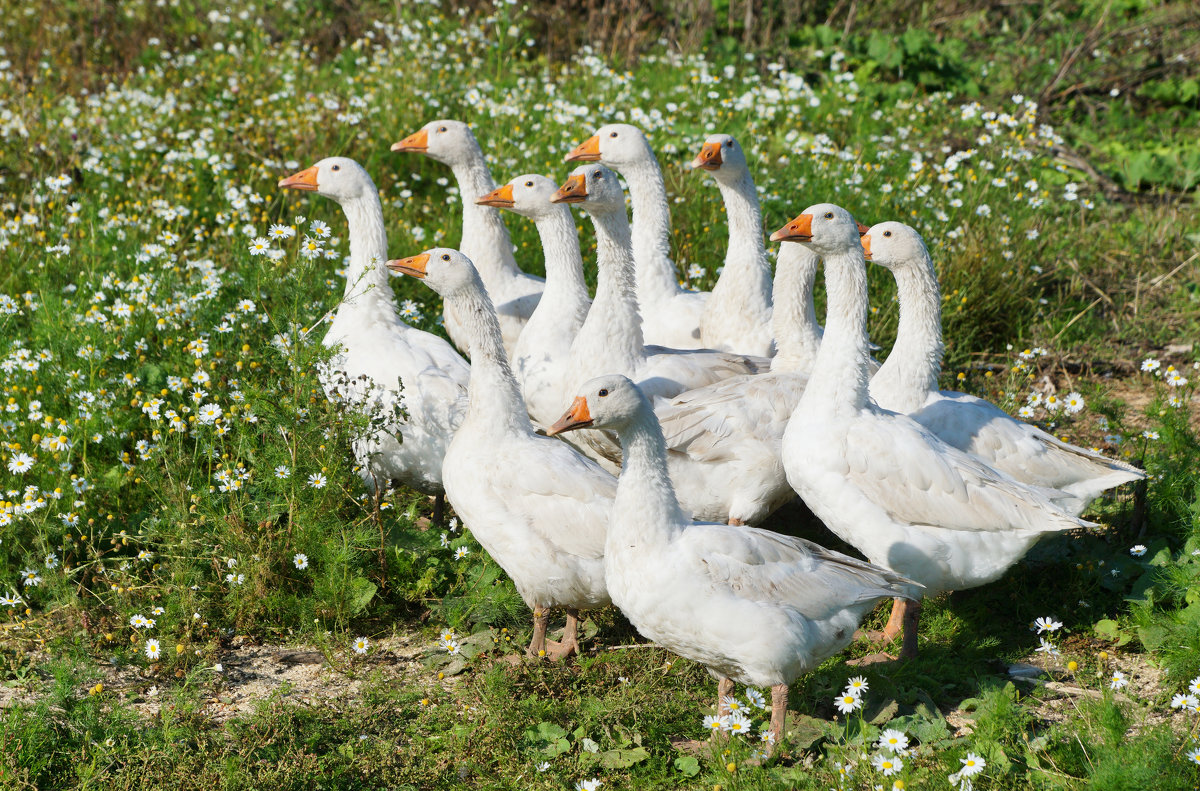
x,y
838,383
366,275
656,275
565,299
485,238
794,320
612,330
910,373
646,509
745,283
494,398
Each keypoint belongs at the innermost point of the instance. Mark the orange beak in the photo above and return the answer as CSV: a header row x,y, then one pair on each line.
x,y
575,417
866,243
304,180
798,230
573,191
414,265
709,157
417,142
500,197
587,151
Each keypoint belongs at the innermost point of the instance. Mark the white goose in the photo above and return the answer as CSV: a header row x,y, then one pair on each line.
x,y
485,240
753,606
542,351
883,482
724,441
907,382
671,313
378,349
536,505
610,340
737,316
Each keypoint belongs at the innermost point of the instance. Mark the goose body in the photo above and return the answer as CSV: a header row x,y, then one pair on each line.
x,y
538,507
880,480
671,313
907,383
737,315
611,339
485,239
753,606
544,347
377,350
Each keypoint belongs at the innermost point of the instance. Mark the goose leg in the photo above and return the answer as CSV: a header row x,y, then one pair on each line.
x,y
779,701
537,646
724,693
912,616
733,520
892,629
439,507
570,640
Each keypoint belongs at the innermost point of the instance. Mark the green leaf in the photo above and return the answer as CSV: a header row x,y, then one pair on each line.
x,y
623,759
362,590
688,765
549,731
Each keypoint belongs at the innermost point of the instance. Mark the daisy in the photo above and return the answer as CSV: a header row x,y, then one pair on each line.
x,y
1045,624
20,463
317,480
1137,550
152,649
361,644
1194,685
888,764
259,246
1046,647
971,765
1118,681
300,560
589,785
1194,756
737,723
1073,403
893,740
282,471
31,578
848,703
461,553
857,685
756,699
714,723
281,232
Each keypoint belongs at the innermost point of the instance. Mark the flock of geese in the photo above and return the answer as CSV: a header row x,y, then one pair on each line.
x,y
706,412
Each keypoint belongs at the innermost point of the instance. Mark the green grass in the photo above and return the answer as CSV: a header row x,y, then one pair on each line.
x,y
153,125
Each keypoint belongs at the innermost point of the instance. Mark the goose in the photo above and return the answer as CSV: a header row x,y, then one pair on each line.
x,y
538,507
672,313
724,441
541,354
883,482
907,382
611,340
752,606
485,239
383,363
737,317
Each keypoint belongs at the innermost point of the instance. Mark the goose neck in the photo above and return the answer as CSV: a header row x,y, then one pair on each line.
x,y
485,238
745,284
838,383
613,325
565,286
494,398
794,320
656,275
646,508
366,276
910,373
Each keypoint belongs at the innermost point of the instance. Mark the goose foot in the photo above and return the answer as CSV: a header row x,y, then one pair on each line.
x,y
872,659
891,630
537,646
724,693
569,645
779,701
733,520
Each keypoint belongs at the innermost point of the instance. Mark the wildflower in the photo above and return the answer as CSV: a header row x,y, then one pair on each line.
x,y
1182,701
543,766
1194,685
848,703
588,785
317,481
1045,624
737,723
733,704
281,232
282,471
893,740
51,561
11,600
888,764
361,644
1118,680
1150,365
714,723
259,246
207,414
461,553
145,556
1150,434
31,578
152,649
452,646
857,686
1046,647
1174,379
1137,550
444,541
971,765
300,560
1025,412
756,699
20,463
1193,756
157,611
1074,403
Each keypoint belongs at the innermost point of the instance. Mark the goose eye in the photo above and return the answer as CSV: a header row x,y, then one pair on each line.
x,y
887,233
612,134
597,174
445,256
528,183
441,129
829,215
603,392
336,167
729,144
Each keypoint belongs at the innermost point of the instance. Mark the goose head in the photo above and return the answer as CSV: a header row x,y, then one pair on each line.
x,y
449,142
894,245
616,145
339,178
594,187
445,270
605,402
722,156
529,195
825,228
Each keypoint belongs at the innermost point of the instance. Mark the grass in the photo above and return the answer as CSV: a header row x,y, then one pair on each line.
x,y
134,177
